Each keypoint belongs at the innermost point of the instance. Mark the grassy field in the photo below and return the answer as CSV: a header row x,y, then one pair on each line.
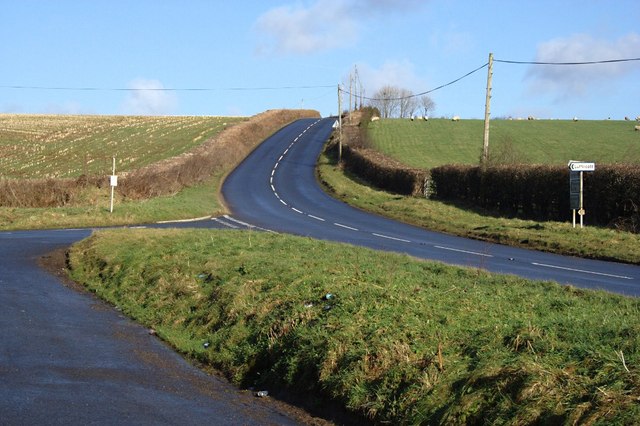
x,y
40,146
395,339
555,237
436,142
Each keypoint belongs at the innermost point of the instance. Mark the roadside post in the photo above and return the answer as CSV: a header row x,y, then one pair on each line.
x,y
113,180
576,188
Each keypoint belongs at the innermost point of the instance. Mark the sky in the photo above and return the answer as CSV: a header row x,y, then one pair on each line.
x,y
197,57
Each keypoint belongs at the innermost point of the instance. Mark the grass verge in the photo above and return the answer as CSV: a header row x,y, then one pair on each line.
x,y
398,340
555,237
197,201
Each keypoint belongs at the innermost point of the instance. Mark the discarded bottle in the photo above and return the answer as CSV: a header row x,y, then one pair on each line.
x,y
206,345
262,393
328,296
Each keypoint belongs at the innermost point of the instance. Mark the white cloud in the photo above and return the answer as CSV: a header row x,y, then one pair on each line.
x,y
568,81
147,97
320,25
395,73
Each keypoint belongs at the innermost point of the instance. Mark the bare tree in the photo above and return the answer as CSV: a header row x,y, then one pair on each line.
x,y
427,104
386,100
407,103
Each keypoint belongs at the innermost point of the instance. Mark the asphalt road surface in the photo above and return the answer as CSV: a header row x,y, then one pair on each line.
x,y
275,188
68,358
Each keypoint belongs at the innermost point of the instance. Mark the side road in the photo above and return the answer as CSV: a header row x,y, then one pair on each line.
x,y
68,358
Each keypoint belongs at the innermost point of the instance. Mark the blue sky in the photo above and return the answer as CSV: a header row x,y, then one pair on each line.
x,y
251,56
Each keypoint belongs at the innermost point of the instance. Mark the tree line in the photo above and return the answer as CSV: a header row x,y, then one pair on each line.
x,y
393,101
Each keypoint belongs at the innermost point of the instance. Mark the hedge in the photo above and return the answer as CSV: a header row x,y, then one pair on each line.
x,y
611,193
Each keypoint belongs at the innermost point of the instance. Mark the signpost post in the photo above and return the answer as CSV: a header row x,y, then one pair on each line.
x,y
576,188
113,180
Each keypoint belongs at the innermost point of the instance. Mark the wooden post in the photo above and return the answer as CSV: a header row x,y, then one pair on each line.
x,y
339,125
487,113
113,173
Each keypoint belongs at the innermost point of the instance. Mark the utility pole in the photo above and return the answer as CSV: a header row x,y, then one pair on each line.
x,y
339,125
487,113
350,94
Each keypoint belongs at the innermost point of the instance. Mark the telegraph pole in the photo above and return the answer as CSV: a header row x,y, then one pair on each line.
x,y
339,125
487,113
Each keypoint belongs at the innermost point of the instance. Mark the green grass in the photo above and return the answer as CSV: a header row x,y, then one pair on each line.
x,y
436,142
39,146
193,202
556,237
401,341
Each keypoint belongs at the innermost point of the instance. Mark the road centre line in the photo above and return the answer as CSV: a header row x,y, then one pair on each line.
x,y
390,238
296,210
581,270
283,202
316,217
345,226
464,251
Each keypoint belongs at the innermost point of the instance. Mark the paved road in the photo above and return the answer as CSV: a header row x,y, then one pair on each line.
x,y
68,358
276,188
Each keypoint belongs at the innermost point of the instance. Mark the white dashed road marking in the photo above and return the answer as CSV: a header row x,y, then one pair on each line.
x,y
464,251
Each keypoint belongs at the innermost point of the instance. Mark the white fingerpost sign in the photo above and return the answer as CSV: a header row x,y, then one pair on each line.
x,y
576,187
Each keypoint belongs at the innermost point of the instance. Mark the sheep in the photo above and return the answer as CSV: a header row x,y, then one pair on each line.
x,y
456,118
626,118
636,128
575,118
375,118
425,118
638,118
531,118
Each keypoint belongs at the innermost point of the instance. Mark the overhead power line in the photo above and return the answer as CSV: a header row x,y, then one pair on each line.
x,y
425,92
163,89
608,61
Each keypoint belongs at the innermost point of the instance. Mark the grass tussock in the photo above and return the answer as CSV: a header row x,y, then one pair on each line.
x,y
391,338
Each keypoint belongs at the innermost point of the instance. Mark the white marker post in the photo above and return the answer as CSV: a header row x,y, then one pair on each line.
x,y
114,182
576,187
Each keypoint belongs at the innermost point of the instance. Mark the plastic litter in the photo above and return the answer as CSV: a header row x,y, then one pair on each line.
x,y
262,393
206,345
328,296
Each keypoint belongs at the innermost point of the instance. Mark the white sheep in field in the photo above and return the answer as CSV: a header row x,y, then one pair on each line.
x,y
425,118
575,118
456,118
375,118
638,118
636,128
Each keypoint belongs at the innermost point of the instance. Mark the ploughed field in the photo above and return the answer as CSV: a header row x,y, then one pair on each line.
x,y
44,146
